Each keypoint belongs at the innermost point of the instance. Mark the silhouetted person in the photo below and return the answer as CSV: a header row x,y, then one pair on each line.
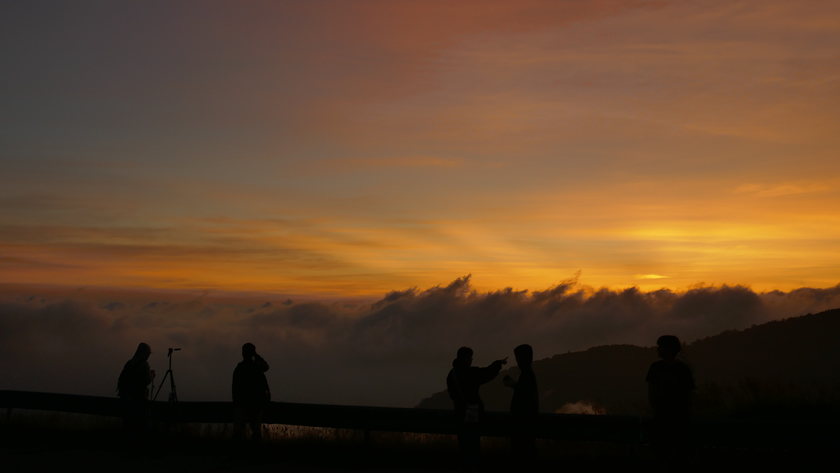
x,y
524,407
133,389
670,387
250,394
463,382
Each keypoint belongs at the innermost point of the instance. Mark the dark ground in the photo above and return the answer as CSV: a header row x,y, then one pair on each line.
x,y
29,450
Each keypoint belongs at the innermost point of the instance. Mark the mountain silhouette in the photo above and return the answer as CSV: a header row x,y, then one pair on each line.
x,y
785,367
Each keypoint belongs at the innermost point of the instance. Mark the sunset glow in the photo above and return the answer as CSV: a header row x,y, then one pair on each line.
x,y
354,148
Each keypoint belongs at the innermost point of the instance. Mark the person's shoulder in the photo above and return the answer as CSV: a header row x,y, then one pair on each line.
x,y
658,365
685,370
655,370
682,366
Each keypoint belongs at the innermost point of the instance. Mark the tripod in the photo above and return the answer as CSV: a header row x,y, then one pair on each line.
x,y
173,395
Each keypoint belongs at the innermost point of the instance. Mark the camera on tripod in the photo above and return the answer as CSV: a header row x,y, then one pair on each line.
x,y
173,394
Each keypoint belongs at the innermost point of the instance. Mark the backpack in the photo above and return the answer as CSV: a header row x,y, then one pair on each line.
x,y
127,384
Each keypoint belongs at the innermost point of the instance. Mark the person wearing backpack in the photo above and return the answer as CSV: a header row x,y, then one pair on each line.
x,y
462,383
133,389
251,394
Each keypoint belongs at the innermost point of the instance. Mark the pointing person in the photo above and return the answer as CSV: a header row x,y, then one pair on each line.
x,y
462,383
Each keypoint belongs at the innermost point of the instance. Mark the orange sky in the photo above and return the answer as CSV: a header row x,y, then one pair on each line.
x,y
352,148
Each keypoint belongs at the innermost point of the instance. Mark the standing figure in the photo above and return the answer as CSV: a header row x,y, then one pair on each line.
x,y
524,407
462,383
133,389
670,388
250,394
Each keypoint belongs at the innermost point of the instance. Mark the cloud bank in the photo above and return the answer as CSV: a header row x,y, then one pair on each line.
x,y
392,352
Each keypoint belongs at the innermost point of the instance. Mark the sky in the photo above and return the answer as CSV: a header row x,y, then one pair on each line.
x,y
349,149
359,188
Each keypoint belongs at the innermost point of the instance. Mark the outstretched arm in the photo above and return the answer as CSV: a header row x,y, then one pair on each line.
x,y
488,374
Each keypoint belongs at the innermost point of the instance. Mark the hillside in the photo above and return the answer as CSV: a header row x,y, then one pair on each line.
x,y
792,361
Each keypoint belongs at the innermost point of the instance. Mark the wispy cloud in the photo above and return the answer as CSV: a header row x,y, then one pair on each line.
x,y
778,190
363,164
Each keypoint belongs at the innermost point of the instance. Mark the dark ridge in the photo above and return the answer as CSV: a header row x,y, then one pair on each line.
x,y
789,367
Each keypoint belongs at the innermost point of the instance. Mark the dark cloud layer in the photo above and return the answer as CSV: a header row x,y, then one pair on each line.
x,y
392,352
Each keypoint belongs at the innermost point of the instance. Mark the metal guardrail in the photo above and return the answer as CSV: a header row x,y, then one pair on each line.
x,y
586,428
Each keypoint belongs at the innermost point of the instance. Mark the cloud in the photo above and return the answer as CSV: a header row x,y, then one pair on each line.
x,y
391,352
759,190
408,161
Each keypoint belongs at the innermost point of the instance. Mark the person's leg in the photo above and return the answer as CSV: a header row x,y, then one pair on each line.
x,y
146,426
240,416
473,447
256,425
469,446
129,424
681,444
663,443
529,452
523,445
516,451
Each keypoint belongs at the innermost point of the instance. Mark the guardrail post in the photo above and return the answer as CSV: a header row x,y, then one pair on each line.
x,y
9,415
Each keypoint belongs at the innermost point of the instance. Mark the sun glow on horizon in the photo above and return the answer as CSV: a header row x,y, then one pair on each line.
x,y
298,149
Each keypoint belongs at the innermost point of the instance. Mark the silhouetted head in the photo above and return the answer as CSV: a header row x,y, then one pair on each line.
x,y
668,346
524,355
464,358
142,353
248,351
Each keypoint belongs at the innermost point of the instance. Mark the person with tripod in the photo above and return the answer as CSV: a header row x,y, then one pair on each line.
x,y
133,389
251,395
